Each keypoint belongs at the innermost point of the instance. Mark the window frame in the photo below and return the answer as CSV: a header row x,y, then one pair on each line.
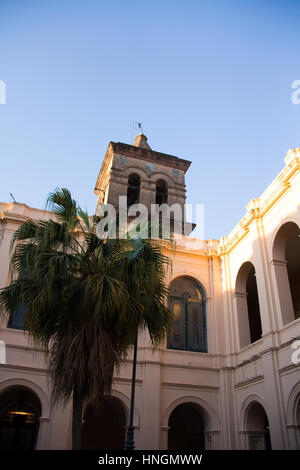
x,y
187,321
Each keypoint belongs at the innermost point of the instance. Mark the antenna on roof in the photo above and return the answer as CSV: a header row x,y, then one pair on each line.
x,y
13,198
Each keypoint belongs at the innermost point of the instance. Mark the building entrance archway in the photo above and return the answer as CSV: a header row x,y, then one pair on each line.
x,y
257,428
20,411
104,425
186,428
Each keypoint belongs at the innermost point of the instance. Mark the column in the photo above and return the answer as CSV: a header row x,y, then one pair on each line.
x,y
243,318
283,291
274,405
150,397
43,434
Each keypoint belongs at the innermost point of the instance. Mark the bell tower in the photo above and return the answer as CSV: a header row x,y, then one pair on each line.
x,y
141,174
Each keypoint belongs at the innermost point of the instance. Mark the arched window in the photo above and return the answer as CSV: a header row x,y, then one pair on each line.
x,y
286,263
187,302
161,192
20,410
133,189
248,311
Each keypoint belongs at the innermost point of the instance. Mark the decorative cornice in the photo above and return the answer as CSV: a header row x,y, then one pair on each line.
x,y
251,380
35,370
150,155
257,208
250,360
277,262
290,368
210,388
138,153
34,349
19,213
118,379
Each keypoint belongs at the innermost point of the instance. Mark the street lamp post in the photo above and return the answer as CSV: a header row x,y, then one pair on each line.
x,y
129,444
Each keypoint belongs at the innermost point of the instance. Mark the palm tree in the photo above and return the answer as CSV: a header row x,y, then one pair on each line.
x,y
85,297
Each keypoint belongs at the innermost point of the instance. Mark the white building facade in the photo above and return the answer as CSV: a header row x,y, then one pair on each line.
x,y
229,375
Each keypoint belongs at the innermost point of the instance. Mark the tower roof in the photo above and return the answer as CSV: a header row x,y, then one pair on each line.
x,y
141,141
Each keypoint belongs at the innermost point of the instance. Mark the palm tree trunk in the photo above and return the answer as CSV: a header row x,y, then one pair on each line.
x,y
76,422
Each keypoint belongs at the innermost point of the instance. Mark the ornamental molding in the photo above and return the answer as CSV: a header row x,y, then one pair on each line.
x,y
249,381
178,385
259,207
150,155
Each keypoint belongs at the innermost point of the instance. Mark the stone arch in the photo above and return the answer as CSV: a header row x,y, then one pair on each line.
x,y
285,260
292,405
135,169
293,416
156,175
208,420
250,399
287,220
211,418
257,426
104,425
192,276
20,414
126,403
32,386
254,424
247,305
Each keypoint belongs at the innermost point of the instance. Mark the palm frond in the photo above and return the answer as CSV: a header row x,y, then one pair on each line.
x,y
61,203
86,297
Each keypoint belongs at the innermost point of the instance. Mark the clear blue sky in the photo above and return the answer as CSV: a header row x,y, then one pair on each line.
x,y
209,80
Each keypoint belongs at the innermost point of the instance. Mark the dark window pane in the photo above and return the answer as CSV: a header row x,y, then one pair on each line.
x,y
161,192
196,327
176,339
16,320
133,189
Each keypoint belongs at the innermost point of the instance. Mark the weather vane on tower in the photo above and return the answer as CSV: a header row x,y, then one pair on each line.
x,y
140,126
